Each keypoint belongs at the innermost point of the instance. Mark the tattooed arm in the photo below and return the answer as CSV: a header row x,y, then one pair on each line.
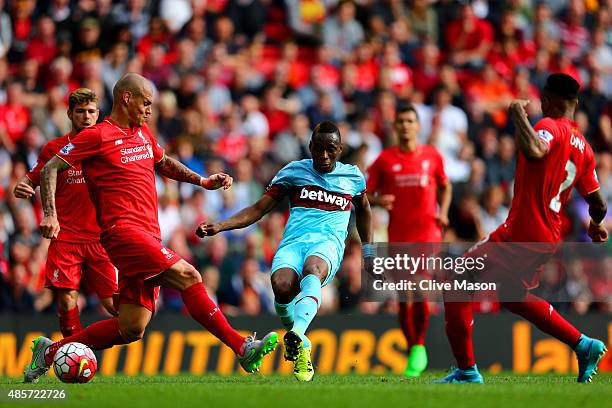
x,y
175,170
49,226
526,137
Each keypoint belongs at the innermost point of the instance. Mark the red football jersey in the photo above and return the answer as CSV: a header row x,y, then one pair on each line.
x,y
118,165
542,187
75,212
413,178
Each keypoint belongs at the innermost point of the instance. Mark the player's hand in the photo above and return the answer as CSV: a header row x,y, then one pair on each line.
x,y
217,181
442,220
369,253
386,201
207,230
517,108
49,227
23,190
598,233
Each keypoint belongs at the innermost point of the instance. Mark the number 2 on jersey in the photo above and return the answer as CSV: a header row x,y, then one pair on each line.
x,y
570,168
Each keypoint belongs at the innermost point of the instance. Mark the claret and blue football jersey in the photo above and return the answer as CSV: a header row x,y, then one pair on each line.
x,y
320,212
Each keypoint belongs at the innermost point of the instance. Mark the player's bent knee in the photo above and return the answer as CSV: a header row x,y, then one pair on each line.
x,y
281,284
66,298
315,270
192,275
108,305
133,332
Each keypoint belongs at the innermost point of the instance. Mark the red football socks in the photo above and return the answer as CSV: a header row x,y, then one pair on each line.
x,y
414,321
405,320
420,321
544,317
459,320
99,335
70,322
208,314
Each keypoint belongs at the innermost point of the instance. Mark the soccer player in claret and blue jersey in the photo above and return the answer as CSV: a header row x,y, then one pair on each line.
x,y
321,191
553,158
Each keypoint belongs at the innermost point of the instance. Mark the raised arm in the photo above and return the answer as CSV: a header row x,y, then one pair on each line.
x,y
597,210
175,170
527,139
49,226
243,218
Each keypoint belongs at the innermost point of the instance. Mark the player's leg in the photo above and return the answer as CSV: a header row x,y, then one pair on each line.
x,y
185,278
286,286
307,302
286,269
414,321
297,345
404,316
103,275
63,276
128,327
541,313
67,310
459,321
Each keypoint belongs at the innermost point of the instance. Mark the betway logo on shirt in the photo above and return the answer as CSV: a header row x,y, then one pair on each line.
x,y
317,197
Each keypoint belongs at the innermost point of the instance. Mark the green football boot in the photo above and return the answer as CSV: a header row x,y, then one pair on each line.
x,y
256,350
417,361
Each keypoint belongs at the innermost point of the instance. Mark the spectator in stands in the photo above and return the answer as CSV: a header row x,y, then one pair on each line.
x,y
14,117
493,212
342,32
469,38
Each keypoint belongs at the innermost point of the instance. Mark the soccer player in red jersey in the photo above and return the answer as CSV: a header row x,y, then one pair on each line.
x,y
119,157
553,158
77,249
411,183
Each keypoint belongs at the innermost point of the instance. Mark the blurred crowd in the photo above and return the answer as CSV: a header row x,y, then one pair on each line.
x,y
241,83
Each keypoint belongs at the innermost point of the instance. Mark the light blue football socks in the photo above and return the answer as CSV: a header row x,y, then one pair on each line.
x,y
306,305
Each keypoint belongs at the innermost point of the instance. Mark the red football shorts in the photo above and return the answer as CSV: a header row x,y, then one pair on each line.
x,y
138,256
67,261
508,261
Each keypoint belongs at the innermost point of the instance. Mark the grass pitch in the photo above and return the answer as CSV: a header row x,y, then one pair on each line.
x,y
500,390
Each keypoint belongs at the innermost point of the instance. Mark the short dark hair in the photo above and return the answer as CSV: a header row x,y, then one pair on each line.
x,y
81,96
562,85
405,109
327,127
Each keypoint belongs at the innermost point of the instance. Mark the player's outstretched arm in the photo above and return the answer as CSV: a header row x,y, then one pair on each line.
x,y
49,226
243,218
597,210
24,189
175,170
527,139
